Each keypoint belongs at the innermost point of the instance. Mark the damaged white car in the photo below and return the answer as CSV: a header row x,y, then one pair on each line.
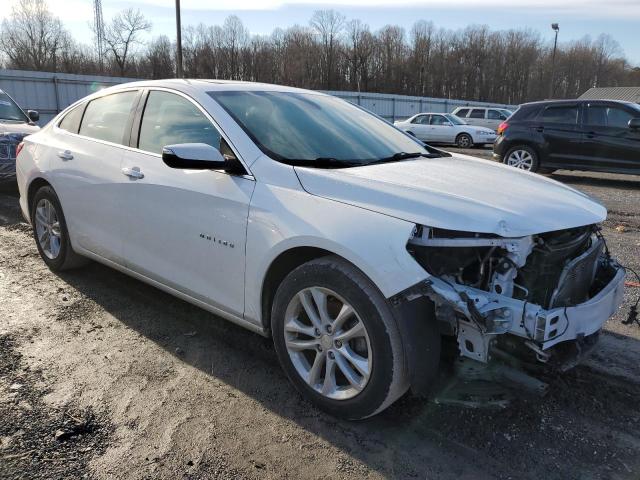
x,y
301,216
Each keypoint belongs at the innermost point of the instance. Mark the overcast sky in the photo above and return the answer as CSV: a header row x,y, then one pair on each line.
x,y
577,18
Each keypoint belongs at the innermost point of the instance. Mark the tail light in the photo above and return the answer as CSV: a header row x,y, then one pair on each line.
x,y
19,148
502,127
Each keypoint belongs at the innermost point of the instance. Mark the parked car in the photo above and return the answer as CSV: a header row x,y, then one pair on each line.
x,y
446,128
305,218
596,135
15,124
483,117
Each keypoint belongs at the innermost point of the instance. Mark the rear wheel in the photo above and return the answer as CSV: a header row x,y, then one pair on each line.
x,y
522,157
464,140
50,232
337,339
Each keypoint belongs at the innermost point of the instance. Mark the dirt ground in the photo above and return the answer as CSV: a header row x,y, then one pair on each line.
x,y
104,377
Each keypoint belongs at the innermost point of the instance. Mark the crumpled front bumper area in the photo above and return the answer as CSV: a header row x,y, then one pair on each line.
x,y
481,316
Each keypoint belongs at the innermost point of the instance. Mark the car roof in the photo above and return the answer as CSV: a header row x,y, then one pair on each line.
x,y
576,100
208,85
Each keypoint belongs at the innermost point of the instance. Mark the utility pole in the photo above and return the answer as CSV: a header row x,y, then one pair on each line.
x,y
555,27
178,42
98,29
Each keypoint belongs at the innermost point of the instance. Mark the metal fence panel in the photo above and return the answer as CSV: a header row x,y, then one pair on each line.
x,y
50,93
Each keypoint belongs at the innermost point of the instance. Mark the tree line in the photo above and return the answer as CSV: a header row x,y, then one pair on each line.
x,y
330,53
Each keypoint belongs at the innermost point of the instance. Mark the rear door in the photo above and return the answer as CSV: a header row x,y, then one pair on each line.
x,y
187,228
420,127
477,117
561,135
88,146
609,143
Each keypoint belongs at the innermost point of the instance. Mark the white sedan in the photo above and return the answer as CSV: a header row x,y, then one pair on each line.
x,y
305,218
446,128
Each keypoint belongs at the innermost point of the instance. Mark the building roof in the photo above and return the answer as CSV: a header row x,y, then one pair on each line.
x,y
629,94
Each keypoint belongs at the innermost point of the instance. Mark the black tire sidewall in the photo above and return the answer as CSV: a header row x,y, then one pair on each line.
x,y
334,277
535,164
49,194
464,135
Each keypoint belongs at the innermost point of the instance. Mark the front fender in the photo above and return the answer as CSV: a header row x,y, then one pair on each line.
x,y
282,218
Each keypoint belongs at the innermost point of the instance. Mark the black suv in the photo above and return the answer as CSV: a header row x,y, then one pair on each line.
x,y
598,135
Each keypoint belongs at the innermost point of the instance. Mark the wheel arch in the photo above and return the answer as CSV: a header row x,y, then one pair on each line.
x,y
35,185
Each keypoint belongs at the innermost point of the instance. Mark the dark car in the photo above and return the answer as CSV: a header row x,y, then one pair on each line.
x,y
597,135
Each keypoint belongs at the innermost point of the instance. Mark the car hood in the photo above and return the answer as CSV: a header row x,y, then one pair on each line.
x,y
458,193
23,128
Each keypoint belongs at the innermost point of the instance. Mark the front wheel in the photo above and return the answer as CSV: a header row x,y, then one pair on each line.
x,y
337,340
464,140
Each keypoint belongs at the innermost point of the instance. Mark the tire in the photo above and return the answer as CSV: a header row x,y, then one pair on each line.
x,y
340,283
58,254
522,157
464,140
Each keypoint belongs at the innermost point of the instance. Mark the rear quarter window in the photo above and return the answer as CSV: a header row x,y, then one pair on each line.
x,y
71,121
477,113
462,112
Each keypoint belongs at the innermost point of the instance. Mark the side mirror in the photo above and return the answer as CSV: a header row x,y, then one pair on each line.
x,y
33,115
194,156
634,123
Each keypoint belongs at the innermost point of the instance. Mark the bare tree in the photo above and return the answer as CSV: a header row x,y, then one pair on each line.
x,y
122,35
32,37
328,24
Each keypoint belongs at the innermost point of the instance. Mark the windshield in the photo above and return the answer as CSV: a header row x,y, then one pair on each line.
x,y
9,110
318,130
454,119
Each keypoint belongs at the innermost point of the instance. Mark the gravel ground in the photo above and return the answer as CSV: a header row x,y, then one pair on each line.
x,y
104,377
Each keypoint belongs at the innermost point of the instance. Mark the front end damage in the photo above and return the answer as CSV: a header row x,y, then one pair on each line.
x,y
539,298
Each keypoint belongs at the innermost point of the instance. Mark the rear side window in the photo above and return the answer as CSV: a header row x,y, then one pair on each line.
x,y
462,112
566,114
477,113
106,118
71,121
421,120
170,119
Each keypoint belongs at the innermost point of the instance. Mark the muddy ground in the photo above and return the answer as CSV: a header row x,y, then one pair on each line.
x,y
104,377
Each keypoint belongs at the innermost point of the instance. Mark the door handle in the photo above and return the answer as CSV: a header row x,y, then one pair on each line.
x,y
591,134
539,129
65,155
133,172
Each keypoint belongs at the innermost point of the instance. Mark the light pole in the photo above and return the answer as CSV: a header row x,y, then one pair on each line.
x,y
178,41
555,27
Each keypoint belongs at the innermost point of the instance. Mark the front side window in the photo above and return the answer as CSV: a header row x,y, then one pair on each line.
x,y
619,117
106,118
477,113
71,121
567,115
171,119
439,120
9,110
313,128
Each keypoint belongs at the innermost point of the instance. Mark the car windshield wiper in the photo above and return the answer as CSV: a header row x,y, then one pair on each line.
x,y
322,162
397,157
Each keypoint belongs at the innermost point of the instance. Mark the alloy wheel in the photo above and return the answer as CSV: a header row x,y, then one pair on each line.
x,y
521,159
48,228
328,343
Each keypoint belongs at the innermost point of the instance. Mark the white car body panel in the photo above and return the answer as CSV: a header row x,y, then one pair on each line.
x,y
461,194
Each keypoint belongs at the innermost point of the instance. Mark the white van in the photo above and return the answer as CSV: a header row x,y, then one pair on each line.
x,y
482,116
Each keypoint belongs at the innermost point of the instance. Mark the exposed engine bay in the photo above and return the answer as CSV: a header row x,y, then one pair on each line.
x,y
541,290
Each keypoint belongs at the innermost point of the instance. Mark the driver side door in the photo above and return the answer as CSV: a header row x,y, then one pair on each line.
x,y
187,228
442,130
